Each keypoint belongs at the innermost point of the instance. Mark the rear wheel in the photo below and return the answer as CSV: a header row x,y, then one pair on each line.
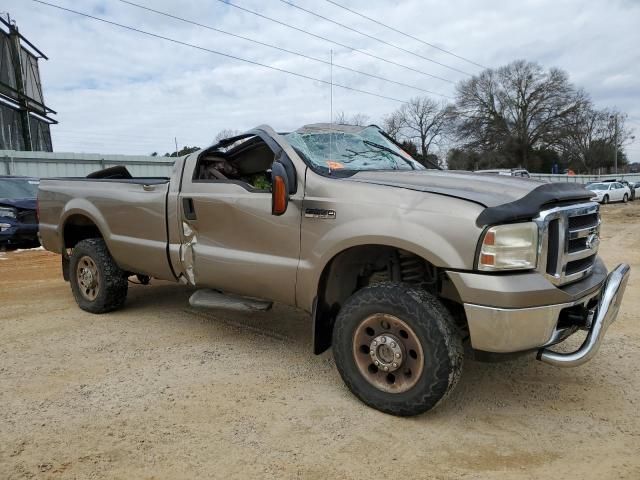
x,y
97,283
397,349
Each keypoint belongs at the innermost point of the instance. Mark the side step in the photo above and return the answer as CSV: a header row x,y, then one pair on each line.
x,y
214,299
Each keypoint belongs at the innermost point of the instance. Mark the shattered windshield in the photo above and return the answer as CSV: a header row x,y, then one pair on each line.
x,y
367,149
15,188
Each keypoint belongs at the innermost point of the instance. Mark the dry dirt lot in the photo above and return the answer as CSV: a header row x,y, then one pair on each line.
x,y
158,390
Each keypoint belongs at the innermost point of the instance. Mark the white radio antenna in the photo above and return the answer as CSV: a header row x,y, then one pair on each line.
x,y
331,110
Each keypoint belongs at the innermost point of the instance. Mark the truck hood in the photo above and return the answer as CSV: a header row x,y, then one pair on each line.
x,y
23,203
506,198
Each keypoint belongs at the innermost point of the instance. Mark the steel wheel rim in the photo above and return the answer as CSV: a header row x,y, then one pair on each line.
x,y
388,353
88,278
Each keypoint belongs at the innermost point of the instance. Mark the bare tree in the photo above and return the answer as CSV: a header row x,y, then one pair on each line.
x,y
516,108
425,122
226,133
359,119
392,125
591,136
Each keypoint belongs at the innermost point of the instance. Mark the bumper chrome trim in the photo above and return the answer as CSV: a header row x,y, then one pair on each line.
x,y
607,312
508,330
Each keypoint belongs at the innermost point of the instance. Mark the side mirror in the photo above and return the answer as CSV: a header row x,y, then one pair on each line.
x,y
279,189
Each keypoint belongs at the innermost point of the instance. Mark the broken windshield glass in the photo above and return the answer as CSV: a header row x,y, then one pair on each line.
x,y
367,149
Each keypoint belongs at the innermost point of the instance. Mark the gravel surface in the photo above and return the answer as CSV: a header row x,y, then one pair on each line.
x,y
159,390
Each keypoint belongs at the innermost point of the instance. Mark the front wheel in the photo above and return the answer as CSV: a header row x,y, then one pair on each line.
x,y
397,349
605,199
97,283
625,198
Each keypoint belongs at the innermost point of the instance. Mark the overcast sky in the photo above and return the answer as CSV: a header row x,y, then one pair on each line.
x,y
118,91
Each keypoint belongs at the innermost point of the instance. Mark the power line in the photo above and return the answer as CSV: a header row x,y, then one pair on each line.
x,y
348,47
282,49
291,4
191,45
448,52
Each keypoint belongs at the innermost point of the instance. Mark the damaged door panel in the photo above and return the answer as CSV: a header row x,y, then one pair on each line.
x,y
229,233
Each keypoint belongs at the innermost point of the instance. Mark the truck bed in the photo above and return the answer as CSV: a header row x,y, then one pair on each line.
x,y
129,213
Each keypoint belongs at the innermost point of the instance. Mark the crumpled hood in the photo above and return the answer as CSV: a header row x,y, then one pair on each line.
x,y
506,198
24,203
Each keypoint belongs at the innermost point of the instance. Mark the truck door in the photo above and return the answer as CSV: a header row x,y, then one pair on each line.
x,y
231,241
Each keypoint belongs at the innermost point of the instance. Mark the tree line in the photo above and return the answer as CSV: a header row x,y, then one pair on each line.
x,y
518,115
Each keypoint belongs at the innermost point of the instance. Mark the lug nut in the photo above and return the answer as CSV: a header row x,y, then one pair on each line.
x,y
383,339
397,355
386,369
395,365
377,362
374,343
393,344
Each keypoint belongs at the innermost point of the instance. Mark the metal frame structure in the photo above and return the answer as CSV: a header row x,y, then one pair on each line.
x,y
24,118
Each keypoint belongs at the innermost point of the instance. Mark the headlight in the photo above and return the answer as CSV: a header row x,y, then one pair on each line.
x,y
509,247
7,212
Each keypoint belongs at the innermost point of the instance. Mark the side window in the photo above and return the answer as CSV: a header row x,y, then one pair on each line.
x,y
246,162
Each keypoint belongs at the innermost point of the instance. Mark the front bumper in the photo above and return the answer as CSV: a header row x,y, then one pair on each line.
x,y
14,233
507,330
605,314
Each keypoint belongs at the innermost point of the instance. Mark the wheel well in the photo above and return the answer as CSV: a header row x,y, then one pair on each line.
x,y
77,228
358,267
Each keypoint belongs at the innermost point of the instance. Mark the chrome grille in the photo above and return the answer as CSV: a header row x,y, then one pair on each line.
x,y
568,241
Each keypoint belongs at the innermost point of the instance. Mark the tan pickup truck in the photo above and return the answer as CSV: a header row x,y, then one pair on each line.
x,y
400,267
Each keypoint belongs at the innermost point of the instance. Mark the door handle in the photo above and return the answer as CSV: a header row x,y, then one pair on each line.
x,y
148,188
189,209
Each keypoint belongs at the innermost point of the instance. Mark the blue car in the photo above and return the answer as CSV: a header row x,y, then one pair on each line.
x,y
18,218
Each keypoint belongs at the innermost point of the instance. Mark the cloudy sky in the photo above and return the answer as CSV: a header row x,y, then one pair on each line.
x,y
119,91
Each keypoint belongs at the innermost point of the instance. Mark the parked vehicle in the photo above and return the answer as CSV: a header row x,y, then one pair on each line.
x,y
610,192
397,265
630,186
512,172
18,221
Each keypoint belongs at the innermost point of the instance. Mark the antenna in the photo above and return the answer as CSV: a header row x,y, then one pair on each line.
x,y
331,110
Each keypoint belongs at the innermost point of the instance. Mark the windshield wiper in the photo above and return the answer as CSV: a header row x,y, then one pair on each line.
x,y
387,149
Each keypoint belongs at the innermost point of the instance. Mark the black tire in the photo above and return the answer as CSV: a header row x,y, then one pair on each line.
x,y
433,328
605,199
625,198
111,290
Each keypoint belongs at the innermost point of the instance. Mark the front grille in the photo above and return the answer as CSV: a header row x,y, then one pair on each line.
x,y
568,244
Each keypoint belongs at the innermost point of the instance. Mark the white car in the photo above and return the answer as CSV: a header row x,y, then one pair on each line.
x,y
610,192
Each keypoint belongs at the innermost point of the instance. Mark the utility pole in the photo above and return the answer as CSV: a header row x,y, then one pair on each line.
x,y
615,142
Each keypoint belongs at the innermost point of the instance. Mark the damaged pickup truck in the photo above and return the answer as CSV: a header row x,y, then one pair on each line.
x,y
400,267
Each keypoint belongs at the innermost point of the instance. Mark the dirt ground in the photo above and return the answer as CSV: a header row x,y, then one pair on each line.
x,y
159,390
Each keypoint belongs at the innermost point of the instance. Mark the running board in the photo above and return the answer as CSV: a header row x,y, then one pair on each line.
x,y
215,299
